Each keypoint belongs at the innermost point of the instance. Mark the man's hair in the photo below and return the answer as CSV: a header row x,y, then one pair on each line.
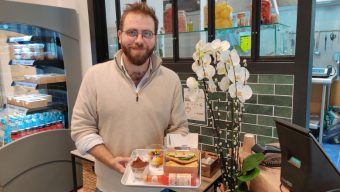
x,y
142,8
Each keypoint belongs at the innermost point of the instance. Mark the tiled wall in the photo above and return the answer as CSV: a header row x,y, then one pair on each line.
x,y
272,97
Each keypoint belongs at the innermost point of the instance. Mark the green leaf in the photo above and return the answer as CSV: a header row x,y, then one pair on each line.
x,y
252,161
250,175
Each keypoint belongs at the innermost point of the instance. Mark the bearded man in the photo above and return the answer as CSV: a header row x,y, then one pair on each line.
x,y
127,103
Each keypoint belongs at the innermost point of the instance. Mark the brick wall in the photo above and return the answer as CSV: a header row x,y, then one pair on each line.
x,y
272,97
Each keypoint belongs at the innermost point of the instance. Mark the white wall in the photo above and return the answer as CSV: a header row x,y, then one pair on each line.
x,y
80,6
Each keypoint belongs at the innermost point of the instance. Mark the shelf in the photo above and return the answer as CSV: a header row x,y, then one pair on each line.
x,y
52,63
242,28
32,85
248,28
19,39
17,109
28,38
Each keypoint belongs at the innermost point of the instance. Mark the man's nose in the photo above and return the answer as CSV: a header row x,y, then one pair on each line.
x,y
139,38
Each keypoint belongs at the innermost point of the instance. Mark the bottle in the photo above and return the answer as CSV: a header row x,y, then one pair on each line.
x,y
190,26
266,11
160,43
241,16
51,48
182,21
168,18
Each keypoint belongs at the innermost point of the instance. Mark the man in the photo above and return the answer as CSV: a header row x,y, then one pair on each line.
x,y
127,103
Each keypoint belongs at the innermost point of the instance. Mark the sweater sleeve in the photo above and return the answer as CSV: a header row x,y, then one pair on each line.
x,y
178,121
84,124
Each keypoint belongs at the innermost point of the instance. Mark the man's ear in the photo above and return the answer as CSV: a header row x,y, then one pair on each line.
x,y
119,36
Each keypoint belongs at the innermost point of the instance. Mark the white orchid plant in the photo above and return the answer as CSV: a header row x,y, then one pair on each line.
x,y
218,68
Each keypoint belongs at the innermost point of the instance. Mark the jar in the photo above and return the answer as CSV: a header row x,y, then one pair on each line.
x,y
266,11
182,21
274,18
223,13
168,18
241,19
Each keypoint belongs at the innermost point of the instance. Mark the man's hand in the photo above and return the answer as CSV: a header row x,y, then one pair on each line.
x,y
119,163
102,154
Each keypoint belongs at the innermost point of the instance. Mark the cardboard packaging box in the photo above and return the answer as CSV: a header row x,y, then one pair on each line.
x,y
182,161
45,78
209,164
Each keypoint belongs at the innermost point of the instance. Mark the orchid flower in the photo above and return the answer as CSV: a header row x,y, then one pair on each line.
x,y
238,73
192,83
224,84
242,92
205,72
220,68
217,57
211,86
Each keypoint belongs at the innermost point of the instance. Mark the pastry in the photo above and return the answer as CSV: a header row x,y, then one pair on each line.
x,y
139,168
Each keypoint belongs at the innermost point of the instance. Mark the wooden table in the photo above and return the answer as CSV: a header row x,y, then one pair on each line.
x,y
75,154
268,181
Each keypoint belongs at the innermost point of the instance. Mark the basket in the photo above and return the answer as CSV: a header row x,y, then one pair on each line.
x,y
89,177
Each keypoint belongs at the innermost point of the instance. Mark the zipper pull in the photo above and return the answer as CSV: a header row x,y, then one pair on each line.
x,y
136,97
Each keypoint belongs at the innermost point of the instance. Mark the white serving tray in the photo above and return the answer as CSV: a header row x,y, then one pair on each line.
x,y
128,178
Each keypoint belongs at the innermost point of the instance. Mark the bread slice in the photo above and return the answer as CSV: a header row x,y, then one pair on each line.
x,y
182,157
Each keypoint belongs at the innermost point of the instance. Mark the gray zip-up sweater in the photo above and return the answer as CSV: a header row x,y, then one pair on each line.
x,y
110,110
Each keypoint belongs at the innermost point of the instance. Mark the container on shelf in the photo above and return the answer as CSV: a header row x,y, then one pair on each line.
x,y
182,21
266,11
223,15
168,19
241,19
190,26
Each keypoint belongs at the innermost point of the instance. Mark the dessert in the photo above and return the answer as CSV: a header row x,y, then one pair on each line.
x,y
156,157
139,168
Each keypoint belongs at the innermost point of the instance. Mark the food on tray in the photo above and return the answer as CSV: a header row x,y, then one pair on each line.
x,y
157,179
156,157
182,157
175,164
181,162
182,179
139,168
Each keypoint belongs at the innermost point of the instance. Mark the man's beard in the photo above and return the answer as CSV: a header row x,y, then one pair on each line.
x,y
137,59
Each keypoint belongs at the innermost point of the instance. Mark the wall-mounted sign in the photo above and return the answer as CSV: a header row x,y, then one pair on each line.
x,y
195,110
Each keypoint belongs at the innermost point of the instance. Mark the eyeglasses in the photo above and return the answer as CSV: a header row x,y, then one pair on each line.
x,y
133,33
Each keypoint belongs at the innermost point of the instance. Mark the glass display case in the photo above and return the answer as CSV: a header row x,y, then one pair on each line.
x,y
232,21
33,88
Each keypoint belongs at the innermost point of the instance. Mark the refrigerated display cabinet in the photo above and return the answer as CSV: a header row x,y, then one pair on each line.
x,y
40,73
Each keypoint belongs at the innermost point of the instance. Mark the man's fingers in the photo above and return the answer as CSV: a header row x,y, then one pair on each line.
x,y
121,169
